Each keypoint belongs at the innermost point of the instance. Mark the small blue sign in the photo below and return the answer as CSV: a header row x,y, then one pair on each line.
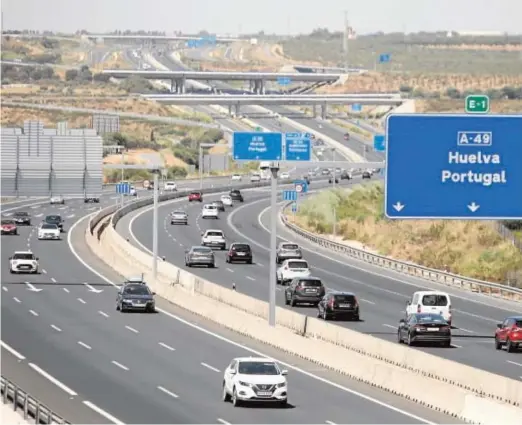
x,y
385,58
294,207
379,143
284,81
454,167
289,195
123,188
298,147
258,146
301,186
356,107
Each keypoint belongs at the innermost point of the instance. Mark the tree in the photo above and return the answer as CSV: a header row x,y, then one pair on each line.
x,y
71,74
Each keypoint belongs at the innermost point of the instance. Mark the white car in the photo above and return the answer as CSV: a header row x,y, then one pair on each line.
x,y
214,238
49,231
236,177
266,176
132,191
434,302
59,199
23,262
255,379
210,211
291,269
170,187
255,178
284,175
227,200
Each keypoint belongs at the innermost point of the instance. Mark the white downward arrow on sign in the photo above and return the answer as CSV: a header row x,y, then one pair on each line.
x,y
398,207
31,287
473,207
92,289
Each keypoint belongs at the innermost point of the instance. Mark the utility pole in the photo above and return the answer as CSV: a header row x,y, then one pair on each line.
x,y
345,40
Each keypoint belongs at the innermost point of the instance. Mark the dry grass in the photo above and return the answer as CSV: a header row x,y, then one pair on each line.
x,y
170,160
220,148
114,61
74,58
470,248
143,156
478,47
387,82
452,105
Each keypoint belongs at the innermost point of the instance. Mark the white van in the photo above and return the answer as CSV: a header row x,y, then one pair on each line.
x,y
430,302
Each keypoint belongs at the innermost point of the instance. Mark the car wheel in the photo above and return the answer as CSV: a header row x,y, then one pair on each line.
x,y
117,307
447,344
249,261
498,344
235,400
283,404
225,396
399,337
11,271
189,264
211,266
509,346
410,341
356,318
123,309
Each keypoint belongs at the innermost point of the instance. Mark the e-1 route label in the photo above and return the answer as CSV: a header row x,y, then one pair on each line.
x,y
453,167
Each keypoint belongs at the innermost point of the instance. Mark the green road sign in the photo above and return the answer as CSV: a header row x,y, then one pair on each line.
x,y
477,104
259,129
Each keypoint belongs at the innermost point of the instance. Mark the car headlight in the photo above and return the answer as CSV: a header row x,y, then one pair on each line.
x,y
245,384
281,385
34,263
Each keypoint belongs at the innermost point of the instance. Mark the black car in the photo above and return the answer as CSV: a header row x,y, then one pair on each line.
x,y
240,252
219,205
345,175
93,199
304,290
135,296
338,304
22,217
424,327
55,219
235,194
366,174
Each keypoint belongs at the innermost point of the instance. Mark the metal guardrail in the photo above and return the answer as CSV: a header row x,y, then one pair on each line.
x,y
29,406
449,279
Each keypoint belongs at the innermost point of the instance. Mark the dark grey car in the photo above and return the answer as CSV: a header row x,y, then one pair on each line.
x,y
219,205
288,251
200,256
135,296
22,218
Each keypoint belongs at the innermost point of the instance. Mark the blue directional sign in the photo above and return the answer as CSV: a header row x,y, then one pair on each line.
x,y
454,167
289,195
384,58
379,143
301,186
298,147
123,188
258,146
356,107
284,81
294,207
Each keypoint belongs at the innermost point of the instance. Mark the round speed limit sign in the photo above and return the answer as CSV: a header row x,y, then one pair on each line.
x,y
298,188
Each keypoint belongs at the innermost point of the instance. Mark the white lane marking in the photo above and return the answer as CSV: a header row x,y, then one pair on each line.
x,y
250,278
159,387
66,290
56,328
70,216
456,346
51,378
34,313
12,350
366,301
82,301
92,288
222,421
242,346
465,330
44,271
17,300
259,264
389,326
230,270
103,314
210,367
39,215
119,365
5,289
103,413
53,280
32,287
132,329
515,363
84,345
330,422
168,347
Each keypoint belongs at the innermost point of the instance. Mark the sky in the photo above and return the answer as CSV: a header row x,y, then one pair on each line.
x,y
271,16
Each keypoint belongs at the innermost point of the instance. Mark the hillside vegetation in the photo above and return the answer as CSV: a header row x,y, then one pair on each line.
x,y
469,248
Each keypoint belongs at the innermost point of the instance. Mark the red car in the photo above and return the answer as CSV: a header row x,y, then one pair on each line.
x,y
346,136
195,196
509,334
9,227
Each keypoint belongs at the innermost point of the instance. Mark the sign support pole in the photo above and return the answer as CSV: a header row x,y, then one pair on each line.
x,y
273,249
155,230
200,166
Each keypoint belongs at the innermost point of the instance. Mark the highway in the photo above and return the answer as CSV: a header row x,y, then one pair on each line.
x,y
382,294
96,365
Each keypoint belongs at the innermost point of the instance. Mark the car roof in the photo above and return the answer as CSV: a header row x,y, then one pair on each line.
x,y
179,212
23,252
134,279
213,230
431,293
341,293
239,243
288,243
201,247
296,259
254,359
515,317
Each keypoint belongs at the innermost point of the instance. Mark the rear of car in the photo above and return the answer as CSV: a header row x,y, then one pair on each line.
x,y
509,334
366,174
240,252
195,196
91,199
292,269
305,291
210,211
179,217
429,328
170,187
236,177
49,232
214,239
219,205
255,178
436,303
341,306
236,195
57,200
227,200
345,175
200,256
288,251
55,219
9,227
284,176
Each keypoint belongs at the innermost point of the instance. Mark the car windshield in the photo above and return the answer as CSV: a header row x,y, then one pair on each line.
x,y
313,283
241,248
170,184
430,318
435,300
23,256
518,323
179,212
290,246
344,298
202,250
297,264
21,214
7,222
136,290
235,192
49,226
258,368
195,193
210,207
53,218
214,233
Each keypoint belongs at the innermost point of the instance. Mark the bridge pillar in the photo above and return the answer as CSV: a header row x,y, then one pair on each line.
x,y
181,86
262,86
173,86
314,111
324,110
230,110
238,109
251,85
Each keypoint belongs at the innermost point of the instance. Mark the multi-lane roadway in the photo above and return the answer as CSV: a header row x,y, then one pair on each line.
x,y
63,338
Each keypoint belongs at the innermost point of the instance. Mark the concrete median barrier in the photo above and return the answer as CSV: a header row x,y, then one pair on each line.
x,y
444,385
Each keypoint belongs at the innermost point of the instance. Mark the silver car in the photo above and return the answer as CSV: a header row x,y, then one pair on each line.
x,y
200,256
288,251
179,217
58,199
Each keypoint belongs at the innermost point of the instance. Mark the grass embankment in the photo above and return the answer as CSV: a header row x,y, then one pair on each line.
x,y
469,248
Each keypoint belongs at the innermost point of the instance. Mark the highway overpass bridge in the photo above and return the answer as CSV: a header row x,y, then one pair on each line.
x,y
234,102
156,38
257,79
